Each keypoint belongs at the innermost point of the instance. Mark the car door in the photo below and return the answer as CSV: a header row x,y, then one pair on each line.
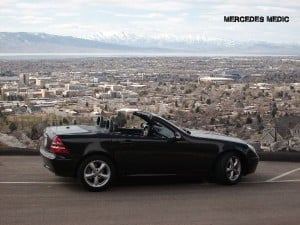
x,y
160,153
192,156
137,154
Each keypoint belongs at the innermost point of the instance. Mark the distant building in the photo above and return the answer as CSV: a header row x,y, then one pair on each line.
x,y
9,89
24,79
46,93
269,137
7,79
288,126
231,74
215,79
127,110
74,87
41,82
295,131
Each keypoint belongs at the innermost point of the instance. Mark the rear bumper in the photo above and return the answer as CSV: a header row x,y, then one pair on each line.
x,y
59,165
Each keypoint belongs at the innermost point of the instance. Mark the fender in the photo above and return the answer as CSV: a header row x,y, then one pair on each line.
x,y
229,146
98,146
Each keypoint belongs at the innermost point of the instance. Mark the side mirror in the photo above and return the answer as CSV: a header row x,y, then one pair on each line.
x,y
177,136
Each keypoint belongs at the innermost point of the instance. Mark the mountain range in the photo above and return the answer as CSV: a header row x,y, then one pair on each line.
x,y
25,42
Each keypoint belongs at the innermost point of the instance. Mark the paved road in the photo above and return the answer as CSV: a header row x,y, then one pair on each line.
x,y
29,194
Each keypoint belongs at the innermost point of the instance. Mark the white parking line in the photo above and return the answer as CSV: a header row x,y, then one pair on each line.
x,y
283,181
53,182
269,182
282,175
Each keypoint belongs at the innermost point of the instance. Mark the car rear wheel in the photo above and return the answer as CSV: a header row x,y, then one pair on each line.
x,y
229,169
96,173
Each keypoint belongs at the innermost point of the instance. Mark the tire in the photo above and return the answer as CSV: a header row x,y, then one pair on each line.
x,y
229,169
96,173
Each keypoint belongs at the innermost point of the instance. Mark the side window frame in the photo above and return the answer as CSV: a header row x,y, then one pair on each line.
x,y
163,136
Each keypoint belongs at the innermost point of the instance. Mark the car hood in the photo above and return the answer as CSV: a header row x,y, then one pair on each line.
x,y
215,136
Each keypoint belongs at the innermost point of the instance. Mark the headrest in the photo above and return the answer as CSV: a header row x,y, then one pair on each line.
x,y
110,125
100,121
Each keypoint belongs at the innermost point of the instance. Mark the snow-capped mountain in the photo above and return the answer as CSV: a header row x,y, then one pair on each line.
x,y
195,43
23,42
124,43
161,40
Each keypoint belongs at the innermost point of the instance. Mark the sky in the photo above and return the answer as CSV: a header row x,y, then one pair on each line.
x,y
153,18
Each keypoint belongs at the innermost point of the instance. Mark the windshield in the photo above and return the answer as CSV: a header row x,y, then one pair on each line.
x,y
162,130
173,125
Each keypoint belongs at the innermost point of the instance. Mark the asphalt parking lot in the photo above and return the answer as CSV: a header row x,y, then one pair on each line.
x,y
29,194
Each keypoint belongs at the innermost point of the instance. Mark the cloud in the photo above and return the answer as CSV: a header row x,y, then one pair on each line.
x,y
141,16
287,3
147,5
171,25
71,26
150,17
7,2
41,5
5,11
66,14
29,19
258,7
75,29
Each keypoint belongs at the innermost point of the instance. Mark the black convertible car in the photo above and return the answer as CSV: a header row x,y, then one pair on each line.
x,y
97,154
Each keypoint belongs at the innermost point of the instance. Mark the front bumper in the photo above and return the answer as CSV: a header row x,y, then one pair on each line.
x,y
252,164
59,165
252,160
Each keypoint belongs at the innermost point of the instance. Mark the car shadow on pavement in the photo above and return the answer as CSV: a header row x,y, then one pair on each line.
x,y
158,180
143,183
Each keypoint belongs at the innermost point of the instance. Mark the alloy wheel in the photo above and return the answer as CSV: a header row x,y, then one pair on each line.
x,y
97,173
233,168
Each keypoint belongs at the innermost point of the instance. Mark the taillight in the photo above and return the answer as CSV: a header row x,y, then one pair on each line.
x,y
58,147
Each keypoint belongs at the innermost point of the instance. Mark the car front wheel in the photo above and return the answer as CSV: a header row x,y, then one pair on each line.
x,y
229,169
96,173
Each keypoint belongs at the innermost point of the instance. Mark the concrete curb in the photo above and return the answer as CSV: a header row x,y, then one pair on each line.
x,y
18,151
280,156
264,156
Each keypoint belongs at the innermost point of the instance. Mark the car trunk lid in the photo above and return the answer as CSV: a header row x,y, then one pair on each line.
x,y
51,132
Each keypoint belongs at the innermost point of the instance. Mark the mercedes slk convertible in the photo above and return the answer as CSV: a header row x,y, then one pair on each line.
x,y
96,155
